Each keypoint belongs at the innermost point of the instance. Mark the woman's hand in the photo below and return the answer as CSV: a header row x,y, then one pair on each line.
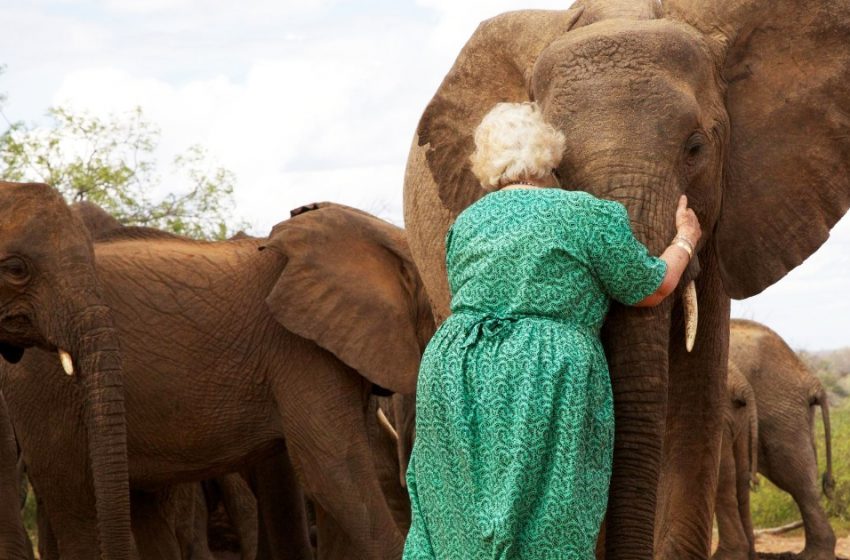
x,y
687,223
676,256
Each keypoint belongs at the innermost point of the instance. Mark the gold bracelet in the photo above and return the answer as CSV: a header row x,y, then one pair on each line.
x,y
684,245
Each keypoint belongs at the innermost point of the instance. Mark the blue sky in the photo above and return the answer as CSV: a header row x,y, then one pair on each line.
x,y
308,100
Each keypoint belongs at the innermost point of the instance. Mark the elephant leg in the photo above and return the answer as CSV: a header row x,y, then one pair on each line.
x,y
54,441
733,541
282,531
386,457
67,525
154,525
694,426
241,507
333,543
195,543
13,537
324,407
799,478
48,549
743,474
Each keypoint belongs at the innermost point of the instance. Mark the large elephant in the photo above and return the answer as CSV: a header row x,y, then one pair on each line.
x,y
738,468
742,105
51,301
787,393
232,354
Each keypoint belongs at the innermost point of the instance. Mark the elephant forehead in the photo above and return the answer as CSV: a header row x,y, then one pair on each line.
x,y
616,47
30,215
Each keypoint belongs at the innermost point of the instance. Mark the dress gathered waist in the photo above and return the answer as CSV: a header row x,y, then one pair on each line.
x,y
488,324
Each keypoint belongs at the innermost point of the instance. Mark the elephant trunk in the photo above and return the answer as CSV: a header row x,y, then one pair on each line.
x,y
13,540
828,482
636,341
95,354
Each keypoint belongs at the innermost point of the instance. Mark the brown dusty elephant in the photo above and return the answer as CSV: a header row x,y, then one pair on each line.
x,y
738,467
51,301
787,393
272,481
175,515
231,354
742,105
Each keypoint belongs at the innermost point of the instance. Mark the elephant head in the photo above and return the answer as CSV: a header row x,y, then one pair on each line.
x,y
50,299
743,105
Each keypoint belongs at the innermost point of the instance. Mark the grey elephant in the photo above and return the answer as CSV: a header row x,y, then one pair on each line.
x,y
247,352
741,105
787,393
738,468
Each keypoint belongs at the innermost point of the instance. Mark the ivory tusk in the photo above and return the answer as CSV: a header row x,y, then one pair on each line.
x,y
691,315
67,362
385,424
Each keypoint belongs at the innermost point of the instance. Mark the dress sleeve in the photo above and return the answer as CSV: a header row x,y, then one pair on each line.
x,y
622,264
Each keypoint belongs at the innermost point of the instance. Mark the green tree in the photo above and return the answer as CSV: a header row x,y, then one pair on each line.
x,y
111,162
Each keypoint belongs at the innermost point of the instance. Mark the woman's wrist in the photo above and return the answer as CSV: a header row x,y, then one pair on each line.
x,y
687,239
684,244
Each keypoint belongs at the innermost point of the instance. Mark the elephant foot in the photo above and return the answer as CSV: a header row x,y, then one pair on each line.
x,y
723,554
820,553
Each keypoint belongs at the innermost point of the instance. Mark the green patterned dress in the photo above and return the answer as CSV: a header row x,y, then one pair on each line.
x,y
514,412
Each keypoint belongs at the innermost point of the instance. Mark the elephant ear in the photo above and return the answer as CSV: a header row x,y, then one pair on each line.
x,y
350,285
787,169
494,66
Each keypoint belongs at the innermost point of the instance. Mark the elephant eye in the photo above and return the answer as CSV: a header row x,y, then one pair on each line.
x,y
694,147
15,268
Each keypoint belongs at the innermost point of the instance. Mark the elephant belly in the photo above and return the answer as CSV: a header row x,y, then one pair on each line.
x,y
197,424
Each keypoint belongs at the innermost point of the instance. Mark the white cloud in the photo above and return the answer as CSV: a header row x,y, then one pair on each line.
x,y
457,20
335,111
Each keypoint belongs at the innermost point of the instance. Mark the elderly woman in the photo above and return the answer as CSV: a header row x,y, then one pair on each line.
x,y
515,419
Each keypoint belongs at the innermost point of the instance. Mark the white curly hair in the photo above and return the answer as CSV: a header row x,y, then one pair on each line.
x,y
514,143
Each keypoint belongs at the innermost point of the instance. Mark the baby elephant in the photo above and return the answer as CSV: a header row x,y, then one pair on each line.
x,y
738,466
786,393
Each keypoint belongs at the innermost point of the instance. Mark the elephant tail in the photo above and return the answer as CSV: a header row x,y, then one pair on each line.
x,y
828,483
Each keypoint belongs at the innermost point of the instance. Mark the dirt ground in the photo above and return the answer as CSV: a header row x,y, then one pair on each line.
x,y
776,545
770,547
785,547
